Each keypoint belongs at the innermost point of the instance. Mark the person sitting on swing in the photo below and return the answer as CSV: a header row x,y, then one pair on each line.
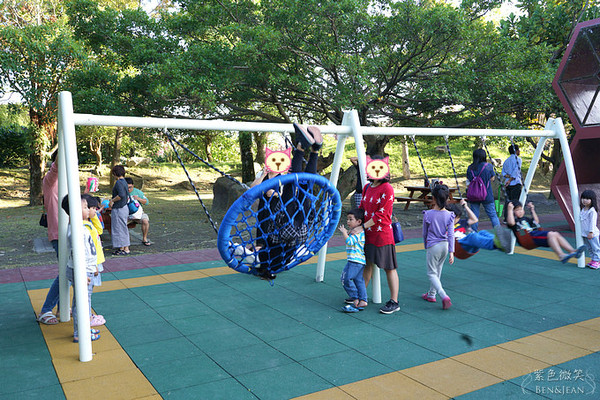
x,y
282,247
471,241
517,221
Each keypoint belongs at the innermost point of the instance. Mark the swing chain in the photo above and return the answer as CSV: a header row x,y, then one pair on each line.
x,y
171,140
412,137
452,162
498,176
231,178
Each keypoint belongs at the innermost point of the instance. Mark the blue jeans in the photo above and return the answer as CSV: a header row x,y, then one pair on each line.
x,y
90,288
353,281
477,240
593,247
490,210
52,296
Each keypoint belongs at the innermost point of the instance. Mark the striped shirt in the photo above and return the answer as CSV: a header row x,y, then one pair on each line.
x,y
355,247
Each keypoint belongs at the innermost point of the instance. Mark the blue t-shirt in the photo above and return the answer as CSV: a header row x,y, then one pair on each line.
x,y
486,175
120,189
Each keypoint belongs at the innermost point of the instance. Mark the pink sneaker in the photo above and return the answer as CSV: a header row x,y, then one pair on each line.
x,y
594,264
446,303
425,296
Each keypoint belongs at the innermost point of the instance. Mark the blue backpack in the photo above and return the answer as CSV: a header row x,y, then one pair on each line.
x,y
477,189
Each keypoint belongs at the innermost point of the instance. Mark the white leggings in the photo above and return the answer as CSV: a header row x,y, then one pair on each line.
x,y
436,255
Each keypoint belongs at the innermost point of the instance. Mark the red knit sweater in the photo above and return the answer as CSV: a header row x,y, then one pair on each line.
x,y
378,203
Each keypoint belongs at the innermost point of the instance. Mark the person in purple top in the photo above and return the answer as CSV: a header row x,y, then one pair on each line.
x,y
438,237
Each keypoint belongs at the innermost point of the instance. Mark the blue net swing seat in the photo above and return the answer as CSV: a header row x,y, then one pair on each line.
x,y
264,233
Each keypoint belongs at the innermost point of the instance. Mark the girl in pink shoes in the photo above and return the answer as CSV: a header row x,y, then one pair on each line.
x,y
438,236
589,226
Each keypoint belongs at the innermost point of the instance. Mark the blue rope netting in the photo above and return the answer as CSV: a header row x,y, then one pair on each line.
x,y
278,231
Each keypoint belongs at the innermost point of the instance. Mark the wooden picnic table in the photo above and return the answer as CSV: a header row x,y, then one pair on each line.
x,y
423,194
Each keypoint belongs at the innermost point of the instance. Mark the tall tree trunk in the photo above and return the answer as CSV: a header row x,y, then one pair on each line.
x,y
96,149
207,140
116,153
376,144
37,158
405,163
260,138
36,173
245,140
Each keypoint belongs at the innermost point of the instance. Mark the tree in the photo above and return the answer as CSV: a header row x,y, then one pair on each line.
x,y
38,51
409,63
548,23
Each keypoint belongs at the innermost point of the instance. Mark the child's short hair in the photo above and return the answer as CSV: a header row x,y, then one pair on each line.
x,y
91,200
516,203
358,213
456,209
65,202
512,149
129,181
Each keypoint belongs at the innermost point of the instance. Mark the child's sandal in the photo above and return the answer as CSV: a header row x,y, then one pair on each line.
x,y
94,337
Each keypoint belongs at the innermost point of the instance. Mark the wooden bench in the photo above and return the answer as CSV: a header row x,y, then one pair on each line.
x,y
408,200
425,200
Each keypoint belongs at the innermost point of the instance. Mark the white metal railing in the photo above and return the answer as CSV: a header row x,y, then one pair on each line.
x,y
350,127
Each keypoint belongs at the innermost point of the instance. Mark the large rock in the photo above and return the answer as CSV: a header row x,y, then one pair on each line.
x,y
138,162
225,192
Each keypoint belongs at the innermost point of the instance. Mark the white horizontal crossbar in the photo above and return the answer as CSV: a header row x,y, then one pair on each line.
x,y
220,125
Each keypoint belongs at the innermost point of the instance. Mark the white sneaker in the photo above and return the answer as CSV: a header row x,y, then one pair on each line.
x,y
248,255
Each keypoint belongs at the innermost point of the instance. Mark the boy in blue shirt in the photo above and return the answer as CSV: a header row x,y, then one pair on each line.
x,y
352,276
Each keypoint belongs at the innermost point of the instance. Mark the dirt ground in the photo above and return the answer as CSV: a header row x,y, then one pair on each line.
x,y
177,219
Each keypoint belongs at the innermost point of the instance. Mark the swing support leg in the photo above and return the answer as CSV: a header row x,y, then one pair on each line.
x,y
350,119
333,179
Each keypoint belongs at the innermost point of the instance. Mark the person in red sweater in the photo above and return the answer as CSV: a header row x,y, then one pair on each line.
x,y
378,202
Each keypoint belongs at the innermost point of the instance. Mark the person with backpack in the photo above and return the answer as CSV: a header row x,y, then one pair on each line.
x,y
480,175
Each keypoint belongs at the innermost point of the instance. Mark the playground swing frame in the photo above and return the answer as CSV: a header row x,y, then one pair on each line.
x,y
350,127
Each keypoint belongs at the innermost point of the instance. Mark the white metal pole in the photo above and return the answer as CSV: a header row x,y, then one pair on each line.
x,y
574,191
333,179
537,155
354,122
63,224
76,223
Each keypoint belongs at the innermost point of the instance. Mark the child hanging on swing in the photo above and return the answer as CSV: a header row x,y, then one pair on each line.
x,y
517,221
470,240
281,247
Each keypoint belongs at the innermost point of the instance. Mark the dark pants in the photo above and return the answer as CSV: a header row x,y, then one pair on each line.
x,y
279,254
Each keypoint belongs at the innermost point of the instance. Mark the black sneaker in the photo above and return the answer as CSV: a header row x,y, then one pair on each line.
x,y
349,300
390,307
